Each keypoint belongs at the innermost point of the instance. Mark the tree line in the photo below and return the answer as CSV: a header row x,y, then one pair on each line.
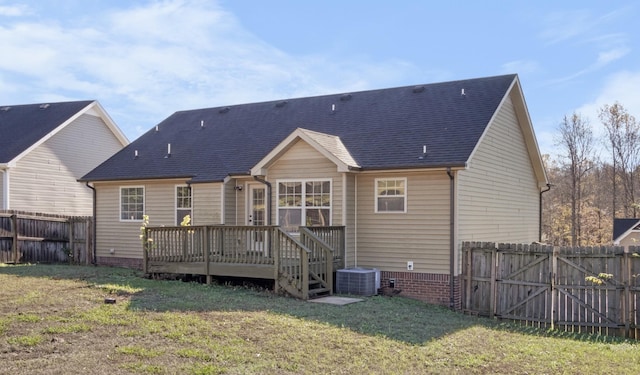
x,y
594,178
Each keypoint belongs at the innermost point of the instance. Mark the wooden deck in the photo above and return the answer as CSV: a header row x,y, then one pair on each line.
x,y
302,267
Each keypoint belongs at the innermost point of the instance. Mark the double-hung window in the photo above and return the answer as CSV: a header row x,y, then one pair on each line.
x,y
304,203
391,194
131,203
183,203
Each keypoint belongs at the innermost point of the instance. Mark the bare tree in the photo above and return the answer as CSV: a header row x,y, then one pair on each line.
x,y
576,139
623,142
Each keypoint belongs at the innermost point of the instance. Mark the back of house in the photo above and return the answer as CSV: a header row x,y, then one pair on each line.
x,y
407,173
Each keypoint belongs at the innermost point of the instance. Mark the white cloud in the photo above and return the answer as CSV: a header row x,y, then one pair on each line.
x,y
520,67
148,61
13,10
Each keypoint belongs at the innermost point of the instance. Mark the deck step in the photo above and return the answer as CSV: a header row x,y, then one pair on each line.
x,y
319,292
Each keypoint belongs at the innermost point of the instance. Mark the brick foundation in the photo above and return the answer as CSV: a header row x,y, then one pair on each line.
x,y
120,262
428,287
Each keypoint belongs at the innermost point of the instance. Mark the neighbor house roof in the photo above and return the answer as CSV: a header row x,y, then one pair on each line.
x,y
622,227
366,130
25,126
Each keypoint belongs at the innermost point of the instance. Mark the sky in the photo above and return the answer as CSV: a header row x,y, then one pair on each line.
x,y
144,60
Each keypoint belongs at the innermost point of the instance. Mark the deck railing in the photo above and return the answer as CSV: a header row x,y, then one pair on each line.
x,y
294,261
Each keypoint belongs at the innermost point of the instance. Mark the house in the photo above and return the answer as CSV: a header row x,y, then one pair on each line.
x,y
45,148
626,232
408,173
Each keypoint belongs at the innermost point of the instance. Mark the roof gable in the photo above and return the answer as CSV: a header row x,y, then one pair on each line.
x,y
329,146
377,129
24,127
622,228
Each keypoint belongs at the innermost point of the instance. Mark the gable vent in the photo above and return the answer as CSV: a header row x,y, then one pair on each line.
x,y
45,106
281,104
5,109
418,89
223,110
345,97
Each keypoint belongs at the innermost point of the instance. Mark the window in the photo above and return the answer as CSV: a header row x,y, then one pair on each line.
x,y
183,203
391,195
131,203
304,203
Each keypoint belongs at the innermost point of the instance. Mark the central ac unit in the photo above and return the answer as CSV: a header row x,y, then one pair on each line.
x,y
358,281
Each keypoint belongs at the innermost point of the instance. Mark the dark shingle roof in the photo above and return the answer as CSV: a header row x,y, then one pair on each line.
x,y
382,129
21,126
620,226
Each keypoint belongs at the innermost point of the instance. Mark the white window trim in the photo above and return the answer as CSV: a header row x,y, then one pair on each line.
x,y
375,194
303,181
144,203
175,203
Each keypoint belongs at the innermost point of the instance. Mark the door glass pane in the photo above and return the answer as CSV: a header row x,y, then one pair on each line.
x,y
258,197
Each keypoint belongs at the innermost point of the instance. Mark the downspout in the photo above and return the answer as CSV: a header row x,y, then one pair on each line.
x,y
540,213
452,245
94,260
268,184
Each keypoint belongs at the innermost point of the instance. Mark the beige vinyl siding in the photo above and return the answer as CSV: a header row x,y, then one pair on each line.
x,y
498,193
387,241
45,180
302,162
124,236
206,203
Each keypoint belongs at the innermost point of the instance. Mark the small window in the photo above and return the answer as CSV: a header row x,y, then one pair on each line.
x,y
131,203
391,195
183,203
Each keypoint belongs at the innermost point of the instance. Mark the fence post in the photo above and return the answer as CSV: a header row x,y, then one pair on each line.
x,y
554,274
207,250
626,299
145,251
467,253
14,242
493,305
72,247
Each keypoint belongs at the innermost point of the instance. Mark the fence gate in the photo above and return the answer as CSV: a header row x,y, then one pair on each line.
x,y
582,305
523,288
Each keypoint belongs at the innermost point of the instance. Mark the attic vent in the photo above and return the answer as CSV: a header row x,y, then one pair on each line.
x,y
223,110
5,109
418,89
44,106
281,104
345,97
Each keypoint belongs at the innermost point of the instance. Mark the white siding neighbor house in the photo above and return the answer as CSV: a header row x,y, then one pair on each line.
x,y
44,150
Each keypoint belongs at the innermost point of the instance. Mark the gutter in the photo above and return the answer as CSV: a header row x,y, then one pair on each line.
x,y
540,213
268,184
452,245
94,260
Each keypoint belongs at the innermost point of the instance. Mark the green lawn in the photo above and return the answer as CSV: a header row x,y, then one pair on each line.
x,y
53,320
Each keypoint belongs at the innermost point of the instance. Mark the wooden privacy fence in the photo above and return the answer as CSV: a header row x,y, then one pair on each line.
x,y
41,238
552,287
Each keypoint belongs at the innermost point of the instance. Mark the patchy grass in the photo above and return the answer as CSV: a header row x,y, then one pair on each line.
x,y
53,319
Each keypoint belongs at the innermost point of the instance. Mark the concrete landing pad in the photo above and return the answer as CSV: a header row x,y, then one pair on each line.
x,y
340,301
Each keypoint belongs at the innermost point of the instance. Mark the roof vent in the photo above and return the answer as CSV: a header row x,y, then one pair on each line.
x,y
5,109
418,89
223,110
462,92
157,128
281,104
201,124
44,106
345,97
